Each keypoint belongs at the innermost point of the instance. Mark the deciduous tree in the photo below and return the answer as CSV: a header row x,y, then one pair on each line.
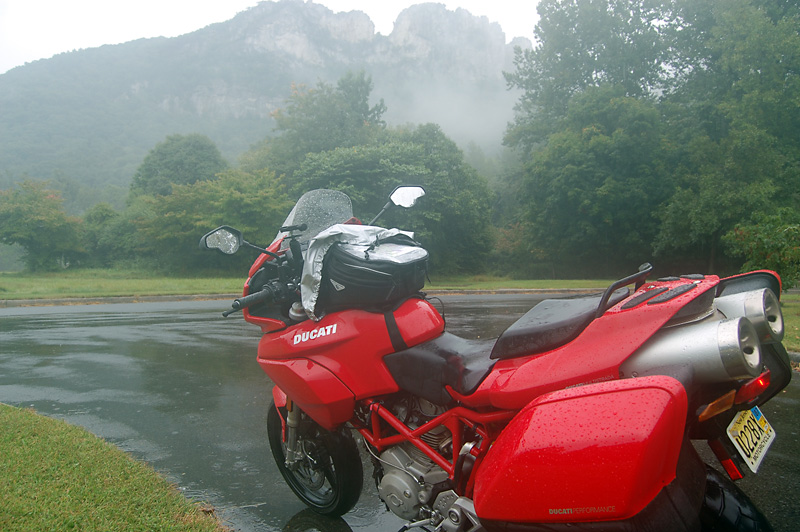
x,y
32,215
582,44
723,79
179,160
595,186
724,183
321,119
453,218
771,241
169,229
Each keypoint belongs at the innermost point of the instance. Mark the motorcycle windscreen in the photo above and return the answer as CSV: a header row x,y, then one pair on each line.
x,y
600,452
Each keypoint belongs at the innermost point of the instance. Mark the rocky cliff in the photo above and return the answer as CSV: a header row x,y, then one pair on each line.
x,y
92,115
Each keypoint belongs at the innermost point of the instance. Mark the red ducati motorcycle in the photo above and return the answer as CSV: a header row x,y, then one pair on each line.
x,y
584,414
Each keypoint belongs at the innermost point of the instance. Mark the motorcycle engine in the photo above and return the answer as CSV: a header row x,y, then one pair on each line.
x,y
410,479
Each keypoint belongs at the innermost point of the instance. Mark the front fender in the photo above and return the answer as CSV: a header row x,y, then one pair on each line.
x,y
599,452
279,396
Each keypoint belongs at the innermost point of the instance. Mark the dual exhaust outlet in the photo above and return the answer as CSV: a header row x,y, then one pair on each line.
x,y
718,350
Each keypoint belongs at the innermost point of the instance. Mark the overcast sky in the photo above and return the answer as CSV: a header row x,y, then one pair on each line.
x,y
36,29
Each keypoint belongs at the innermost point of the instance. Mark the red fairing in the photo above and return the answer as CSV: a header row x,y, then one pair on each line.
x,y
319,393
599,452
345,351
775,279
595,356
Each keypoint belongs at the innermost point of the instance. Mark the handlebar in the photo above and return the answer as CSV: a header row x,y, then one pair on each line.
x,y
265,294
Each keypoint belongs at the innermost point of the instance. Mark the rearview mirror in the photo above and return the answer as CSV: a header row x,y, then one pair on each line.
x,y
406,196
226,239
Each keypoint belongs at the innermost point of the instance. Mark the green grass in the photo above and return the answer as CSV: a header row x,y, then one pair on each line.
x,y
790,304
54,476
114,283
109,283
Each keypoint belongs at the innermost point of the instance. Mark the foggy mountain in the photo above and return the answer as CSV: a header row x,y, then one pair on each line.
x,y
91,116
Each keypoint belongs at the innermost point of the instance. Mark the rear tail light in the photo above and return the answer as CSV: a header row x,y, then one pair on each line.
x,y
752,389
746,393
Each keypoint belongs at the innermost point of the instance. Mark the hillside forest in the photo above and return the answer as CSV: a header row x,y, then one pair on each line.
x,y
646,130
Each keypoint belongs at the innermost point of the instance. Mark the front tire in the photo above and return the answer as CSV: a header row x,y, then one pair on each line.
x,y
727,509
328,477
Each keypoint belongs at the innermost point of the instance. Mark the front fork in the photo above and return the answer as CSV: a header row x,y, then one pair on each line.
x,y
292,423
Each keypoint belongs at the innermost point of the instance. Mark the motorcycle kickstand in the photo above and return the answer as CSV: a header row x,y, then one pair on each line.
x,y
453,514
417,524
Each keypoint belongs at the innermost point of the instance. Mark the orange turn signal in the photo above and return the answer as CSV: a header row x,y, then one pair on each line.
x,y
723,404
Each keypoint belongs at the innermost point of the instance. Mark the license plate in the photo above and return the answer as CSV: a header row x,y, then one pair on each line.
x,y
752,435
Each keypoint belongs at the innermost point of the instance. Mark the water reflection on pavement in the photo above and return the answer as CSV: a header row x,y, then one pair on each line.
x,y
178,386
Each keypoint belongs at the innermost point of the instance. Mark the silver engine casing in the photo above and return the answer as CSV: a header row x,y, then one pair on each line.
x,y
409,476
407,483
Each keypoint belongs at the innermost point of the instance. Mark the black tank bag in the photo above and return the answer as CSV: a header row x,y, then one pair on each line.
x,y
372,276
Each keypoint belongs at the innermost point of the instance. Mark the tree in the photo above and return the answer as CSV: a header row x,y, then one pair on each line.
x,y
457,210
322,119
582,44
33,216
735,121
179,160
100,251
741,62
594,187
170,227
333,138
453,218
726,182
327,117
366,173
724,78
771,241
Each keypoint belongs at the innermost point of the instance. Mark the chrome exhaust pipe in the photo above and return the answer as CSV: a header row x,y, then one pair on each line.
x,y
718,351
761,307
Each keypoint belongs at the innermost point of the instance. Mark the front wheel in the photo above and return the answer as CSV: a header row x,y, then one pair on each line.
x,y
327,476
727,509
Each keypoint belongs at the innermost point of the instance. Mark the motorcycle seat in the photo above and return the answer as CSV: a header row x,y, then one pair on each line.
x,y
448,360
550,324
428,368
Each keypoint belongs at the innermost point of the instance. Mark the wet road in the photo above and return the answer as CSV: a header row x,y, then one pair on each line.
x,y
178,386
